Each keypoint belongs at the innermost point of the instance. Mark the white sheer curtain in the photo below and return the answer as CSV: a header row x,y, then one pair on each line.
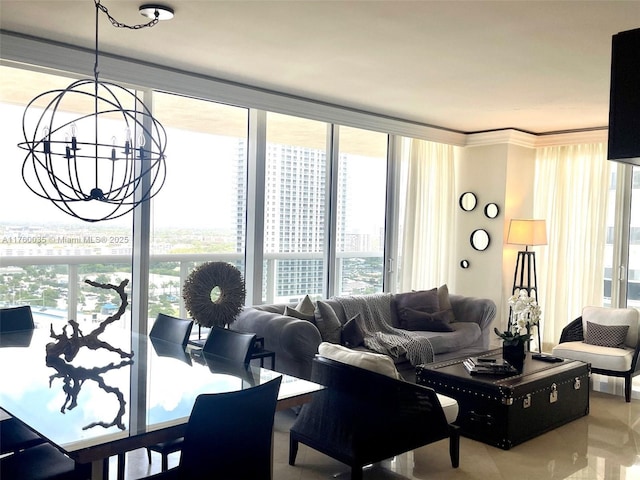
x,y
571,193
426,259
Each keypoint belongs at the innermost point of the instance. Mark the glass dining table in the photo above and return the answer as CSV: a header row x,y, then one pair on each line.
x,y
118,391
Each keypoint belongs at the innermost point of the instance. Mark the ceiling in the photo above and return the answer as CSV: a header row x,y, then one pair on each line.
x,y
469,66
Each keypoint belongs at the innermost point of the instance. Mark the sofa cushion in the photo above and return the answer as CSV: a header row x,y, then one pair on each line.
x,y
463,335
411,319
352,334
292,312
606,335
273,308
606,358
449,406
376,362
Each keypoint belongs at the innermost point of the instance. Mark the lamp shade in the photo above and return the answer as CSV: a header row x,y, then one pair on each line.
x,y
527,232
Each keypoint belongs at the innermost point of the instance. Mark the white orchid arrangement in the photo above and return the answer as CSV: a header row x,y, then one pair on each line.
x,y
525,312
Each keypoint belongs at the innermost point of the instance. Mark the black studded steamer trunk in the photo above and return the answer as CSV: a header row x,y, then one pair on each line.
x,y
505,410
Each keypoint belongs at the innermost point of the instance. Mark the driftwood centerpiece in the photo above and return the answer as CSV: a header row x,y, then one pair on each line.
x,y
66,348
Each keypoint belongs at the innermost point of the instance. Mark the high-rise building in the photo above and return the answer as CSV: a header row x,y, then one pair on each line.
x,y
294,216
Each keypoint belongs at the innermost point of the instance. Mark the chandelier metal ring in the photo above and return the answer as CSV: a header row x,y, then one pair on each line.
x,y
59,165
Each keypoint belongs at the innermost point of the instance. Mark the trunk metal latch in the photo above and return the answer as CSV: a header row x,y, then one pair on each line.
x,y
553,396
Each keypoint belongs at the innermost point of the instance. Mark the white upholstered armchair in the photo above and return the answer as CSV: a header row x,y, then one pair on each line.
x,y
606,338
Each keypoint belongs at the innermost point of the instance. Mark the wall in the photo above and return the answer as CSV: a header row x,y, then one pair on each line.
x,y
498,167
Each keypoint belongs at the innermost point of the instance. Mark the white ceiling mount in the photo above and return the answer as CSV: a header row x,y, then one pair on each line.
x,y
153,10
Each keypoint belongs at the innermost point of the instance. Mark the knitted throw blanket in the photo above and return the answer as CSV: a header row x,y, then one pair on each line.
x,y
379,335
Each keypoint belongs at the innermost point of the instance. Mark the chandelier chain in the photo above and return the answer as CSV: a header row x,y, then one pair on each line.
x,y
118,24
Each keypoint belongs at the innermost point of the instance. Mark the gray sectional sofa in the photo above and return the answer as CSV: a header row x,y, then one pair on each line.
x,y
295,339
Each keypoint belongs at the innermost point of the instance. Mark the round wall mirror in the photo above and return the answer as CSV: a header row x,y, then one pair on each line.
x,y
464,264
480,239
491,210
468,201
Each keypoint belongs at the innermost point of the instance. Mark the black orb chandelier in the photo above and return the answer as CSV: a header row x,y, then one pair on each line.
x,y
100,165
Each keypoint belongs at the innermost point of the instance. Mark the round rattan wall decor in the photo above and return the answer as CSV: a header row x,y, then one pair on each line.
x,y
214,294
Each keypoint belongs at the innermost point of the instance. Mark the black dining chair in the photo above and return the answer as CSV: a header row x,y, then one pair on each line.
x,y
228,346
229,436
42,462
14,319
170,350
14,435
171,329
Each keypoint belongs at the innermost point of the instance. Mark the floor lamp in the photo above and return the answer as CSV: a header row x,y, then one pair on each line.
x,y
527,233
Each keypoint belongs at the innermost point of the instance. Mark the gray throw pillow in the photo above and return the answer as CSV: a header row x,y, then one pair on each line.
x,y
352,334
306,306
445,303
327,322
422,300
606,335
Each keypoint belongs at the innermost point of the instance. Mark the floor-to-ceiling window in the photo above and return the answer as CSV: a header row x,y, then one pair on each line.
x,y
295,208
200,213
611,273
622,250
633,268
361,199
46,254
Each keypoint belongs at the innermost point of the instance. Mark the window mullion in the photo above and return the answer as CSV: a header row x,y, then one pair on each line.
x,y
392,223
621,229
256,175
331,219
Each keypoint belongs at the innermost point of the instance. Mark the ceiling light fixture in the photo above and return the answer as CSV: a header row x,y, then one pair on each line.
x,y
74,159
153,10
